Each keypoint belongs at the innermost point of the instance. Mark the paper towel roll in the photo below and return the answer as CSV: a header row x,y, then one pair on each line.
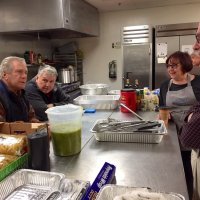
x,y
38,144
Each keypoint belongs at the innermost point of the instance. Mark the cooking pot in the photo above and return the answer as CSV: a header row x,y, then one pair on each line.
x,y
94,89
64,75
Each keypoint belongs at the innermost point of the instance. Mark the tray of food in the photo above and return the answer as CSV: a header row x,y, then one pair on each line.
x,y
107,102
129,131
116,192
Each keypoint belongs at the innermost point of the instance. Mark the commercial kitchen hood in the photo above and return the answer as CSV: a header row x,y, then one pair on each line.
x,y
49,18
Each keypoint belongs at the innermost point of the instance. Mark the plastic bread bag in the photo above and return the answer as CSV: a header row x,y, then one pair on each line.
x,y
6,159
13,144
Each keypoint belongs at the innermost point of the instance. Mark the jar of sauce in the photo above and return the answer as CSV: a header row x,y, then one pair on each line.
x,y
129,98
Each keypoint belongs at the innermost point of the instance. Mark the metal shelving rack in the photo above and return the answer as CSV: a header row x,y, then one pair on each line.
x,y
65,59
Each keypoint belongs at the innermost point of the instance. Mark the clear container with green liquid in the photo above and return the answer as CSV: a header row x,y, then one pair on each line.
x,y
65,127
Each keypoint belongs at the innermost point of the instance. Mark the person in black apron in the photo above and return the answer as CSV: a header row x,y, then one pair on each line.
x,y
180,93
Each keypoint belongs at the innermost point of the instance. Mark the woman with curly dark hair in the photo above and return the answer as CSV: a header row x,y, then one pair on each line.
x,y
179,93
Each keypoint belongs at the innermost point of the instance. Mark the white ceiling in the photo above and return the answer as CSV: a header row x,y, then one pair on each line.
x,y
116,5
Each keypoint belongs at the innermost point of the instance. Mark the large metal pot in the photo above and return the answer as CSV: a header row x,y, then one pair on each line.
x,y
64,75
94,89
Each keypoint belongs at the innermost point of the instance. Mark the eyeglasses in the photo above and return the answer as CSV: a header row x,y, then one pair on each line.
x,y
173,65
198,38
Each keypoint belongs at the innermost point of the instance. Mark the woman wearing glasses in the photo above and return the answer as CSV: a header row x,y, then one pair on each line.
x,y
180,92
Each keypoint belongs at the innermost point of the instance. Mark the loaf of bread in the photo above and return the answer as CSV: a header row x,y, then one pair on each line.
x,y
13,144
6,159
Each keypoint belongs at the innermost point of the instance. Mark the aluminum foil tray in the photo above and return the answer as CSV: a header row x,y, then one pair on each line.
x,y
114,92
73,189
137,137
29,192
107,102
21,180
110,192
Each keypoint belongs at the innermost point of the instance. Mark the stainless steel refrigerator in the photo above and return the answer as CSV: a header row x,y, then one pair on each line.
x,y
137,55
168,39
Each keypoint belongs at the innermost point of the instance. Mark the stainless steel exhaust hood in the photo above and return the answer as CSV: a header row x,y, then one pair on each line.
x,y
49,18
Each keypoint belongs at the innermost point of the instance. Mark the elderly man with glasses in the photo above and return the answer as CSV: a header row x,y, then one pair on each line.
x,y
190,134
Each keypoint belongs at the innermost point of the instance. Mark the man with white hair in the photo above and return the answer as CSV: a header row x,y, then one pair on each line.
x,y
43,92
190,134
14,106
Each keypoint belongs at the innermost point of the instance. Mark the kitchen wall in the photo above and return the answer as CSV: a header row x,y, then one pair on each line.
x,y
98,52
16,45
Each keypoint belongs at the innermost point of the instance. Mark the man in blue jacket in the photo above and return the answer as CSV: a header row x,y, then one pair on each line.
x,y
14,106
43,92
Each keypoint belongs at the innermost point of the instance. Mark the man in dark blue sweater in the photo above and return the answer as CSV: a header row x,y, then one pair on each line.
x,y
14,106
43,92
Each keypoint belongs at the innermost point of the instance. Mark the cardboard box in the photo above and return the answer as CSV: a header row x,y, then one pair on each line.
x,y
14,128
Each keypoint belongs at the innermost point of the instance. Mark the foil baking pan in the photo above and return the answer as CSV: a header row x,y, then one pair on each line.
x,y
112,192
31,181
28,184
154,135
99,102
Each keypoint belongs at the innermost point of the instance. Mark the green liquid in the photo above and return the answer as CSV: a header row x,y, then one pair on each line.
x,y
66,144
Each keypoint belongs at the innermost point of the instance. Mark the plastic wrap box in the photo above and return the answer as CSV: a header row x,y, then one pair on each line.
x,y
105,176
21,162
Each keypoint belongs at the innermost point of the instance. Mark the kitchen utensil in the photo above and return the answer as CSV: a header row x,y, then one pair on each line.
x,y
94,89
128,126
132,112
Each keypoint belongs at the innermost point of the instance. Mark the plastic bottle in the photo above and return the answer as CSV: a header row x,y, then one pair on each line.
x,y
136,85
127,85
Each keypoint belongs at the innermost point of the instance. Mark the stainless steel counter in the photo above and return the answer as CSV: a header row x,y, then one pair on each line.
x,y
158,166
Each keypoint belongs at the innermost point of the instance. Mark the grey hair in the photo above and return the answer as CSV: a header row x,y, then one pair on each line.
x,y
48,69
6,64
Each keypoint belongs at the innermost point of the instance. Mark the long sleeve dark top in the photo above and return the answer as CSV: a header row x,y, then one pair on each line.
x,y
190,134
14,107
195,83
39,100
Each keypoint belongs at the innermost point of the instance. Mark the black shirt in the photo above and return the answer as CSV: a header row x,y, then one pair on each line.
x,y
39,100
